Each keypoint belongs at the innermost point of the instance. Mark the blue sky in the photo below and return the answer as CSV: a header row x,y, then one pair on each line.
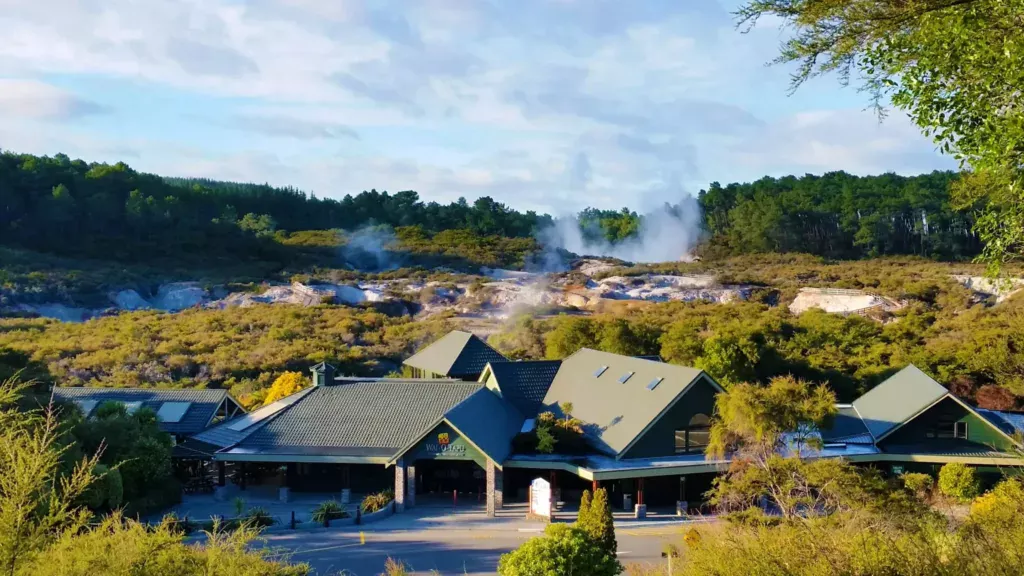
x,y
542,104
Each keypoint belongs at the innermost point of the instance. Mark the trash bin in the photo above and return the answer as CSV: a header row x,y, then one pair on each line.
x,y
627,502
682,507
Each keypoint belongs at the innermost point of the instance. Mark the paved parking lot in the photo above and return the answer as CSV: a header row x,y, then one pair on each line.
x,y
438,539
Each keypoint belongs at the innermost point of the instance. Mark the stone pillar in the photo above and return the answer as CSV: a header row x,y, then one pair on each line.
x,y
495,488
410,485
400,485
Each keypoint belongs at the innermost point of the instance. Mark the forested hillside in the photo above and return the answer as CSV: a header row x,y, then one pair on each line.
x,y
112,212
840,216
70,207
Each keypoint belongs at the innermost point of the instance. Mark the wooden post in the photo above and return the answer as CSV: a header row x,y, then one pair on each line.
x,y
640,491
221,466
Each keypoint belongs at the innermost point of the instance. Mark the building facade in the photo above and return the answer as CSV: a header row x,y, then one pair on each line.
x,y
469,429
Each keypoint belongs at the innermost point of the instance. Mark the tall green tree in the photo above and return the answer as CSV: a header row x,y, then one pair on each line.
x,y
955,66
767,431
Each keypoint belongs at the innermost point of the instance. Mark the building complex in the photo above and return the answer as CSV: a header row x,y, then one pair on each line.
x,y
467,424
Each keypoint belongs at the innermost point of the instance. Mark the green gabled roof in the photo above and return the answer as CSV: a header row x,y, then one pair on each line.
x,y
484,419
457,354
897,400
616,414
357,419
525,383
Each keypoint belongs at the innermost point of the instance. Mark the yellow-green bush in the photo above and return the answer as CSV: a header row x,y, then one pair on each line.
x,y
958,481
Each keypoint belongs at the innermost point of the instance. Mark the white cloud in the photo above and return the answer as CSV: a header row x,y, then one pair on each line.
x,y
825,140
533,102
40,101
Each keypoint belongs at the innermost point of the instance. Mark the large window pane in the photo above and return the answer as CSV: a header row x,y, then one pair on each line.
x,y
698,439
680,441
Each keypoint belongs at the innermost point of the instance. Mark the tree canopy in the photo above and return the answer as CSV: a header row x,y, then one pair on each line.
x,y
956,67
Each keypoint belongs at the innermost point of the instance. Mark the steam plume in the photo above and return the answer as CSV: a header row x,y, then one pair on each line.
x,y
366,249
666,234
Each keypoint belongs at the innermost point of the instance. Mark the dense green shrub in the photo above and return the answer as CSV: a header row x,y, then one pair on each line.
x,y
106,491
563,550
378,501
918,483
958,481
119,546
141,451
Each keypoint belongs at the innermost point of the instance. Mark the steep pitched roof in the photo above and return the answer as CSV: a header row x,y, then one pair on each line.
x,y
203,403
846,426
484,419
456,354
358,419
616,413
897,400
525,383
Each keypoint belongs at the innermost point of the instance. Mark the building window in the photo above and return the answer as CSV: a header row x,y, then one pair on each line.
x,y
694,438
680,441
960,430
945,429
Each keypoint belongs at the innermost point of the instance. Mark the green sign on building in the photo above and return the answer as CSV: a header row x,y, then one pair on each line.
x,y
443,443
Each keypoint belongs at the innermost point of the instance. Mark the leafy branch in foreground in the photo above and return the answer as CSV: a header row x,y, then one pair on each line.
x,y
45,531
37,500
955,66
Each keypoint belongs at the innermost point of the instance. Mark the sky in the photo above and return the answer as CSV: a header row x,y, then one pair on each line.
x,y
549,105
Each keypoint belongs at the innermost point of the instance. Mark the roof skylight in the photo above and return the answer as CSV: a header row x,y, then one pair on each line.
x,y
87,406
654,383
172,411
599,371
625,377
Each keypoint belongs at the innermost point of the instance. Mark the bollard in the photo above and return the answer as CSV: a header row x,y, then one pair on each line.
x,y
362,538
293,520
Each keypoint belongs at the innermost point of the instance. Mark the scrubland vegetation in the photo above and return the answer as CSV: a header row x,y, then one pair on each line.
x,y
943,329
242,349
46,529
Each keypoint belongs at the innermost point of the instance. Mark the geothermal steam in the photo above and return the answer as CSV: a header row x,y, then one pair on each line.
x,y
666,234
